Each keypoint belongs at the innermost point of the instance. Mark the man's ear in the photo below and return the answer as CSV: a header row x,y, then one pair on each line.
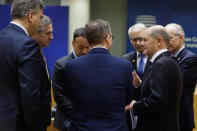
x,y
181,36
30,16
73,43
107,39
159,40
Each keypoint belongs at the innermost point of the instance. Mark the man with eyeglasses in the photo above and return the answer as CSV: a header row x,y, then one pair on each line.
x,y
138,61
188,63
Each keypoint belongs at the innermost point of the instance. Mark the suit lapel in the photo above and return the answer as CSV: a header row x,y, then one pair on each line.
x,y
181,55
134,61
150,68
71,56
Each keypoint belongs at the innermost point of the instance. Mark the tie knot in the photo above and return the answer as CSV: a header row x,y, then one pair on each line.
x,y
141,55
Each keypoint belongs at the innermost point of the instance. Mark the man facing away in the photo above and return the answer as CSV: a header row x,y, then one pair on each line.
x,y
138,61
81,48
43,36
20,70
188,63
97,84
161,86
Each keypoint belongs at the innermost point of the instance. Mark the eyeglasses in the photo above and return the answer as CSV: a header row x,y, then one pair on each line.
x,y
137,39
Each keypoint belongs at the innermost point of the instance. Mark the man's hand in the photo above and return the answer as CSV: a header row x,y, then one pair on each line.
x,y
130,106
136,79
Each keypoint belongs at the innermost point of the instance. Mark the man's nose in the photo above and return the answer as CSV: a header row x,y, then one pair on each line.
x,y
51,37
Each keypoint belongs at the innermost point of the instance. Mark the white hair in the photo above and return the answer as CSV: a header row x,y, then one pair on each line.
x,y
136,28
178,28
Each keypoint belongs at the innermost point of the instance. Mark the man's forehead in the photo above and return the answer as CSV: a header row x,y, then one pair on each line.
x,y
135,34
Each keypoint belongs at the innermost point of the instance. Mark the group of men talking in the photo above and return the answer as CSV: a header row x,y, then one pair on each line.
x,y
150,89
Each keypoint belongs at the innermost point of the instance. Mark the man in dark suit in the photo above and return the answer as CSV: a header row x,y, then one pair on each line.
x,y
21,99
43,36
134,33
138,61
158,107
97,84
188,63
81,47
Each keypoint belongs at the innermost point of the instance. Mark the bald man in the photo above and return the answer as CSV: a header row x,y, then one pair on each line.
x,y
188,62
161,86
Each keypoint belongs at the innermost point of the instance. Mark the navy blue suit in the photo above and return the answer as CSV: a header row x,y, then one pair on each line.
x,y
24,103
61,118
188,63
98,85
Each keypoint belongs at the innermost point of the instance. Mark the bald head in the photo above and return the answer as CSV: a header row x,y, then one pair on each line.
x,y
177,35
155,38
159,31
176,27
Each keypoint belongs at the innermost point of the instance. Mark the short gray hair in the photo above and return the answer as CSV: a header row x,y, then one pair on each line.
x,y
178,28
159,31
136,28
45,21
20,8
97,30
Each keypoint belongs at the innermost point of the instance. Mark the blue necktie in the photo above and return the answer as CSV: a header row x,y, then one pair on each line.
x,y
140,69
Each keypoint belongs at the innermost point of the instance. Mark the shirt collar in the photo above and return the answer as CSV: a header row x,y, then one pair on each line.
x,y
137,52
157,54
13,22
99,47
177,53
75,56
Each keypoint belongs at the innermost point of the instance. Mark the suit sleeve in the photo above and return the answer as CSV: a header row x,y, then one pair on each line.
x,y
158,84
59,85
29,74
131,88
189,69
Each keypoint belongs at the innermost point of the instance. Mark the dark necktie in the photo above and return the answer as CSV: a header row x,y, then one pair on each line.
x,y
147,68
140,69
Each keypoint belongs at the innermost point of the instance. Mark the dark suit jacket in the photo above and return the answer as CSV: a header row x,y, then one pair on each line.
x,y
61,118
158,108
98,85
132,57
23,101
188,63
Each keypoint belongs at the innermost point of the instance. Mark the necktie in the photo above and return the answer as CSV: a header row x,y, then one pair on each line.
x,y
45,63
140,69
147,67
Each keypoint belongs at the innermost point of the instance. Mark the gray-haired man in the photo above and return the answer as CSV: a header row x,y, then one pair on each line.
x,y
22,105
44,32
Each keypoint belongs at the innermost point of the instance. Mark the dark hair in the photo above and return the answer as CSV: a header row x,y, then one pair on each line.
x,y
20,8
45,21
79,32
97,30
